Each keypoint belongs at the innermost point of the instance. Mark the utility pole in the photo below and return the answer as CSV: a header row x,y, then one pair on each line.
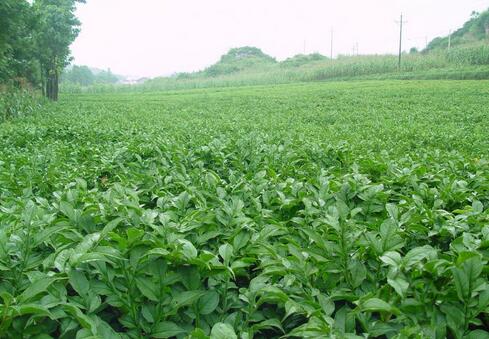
x,y
304,46
449,39
357,48
331,43
400,41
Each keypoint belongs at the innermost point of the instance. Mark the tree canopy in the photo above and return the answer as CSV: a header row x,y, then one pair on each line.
x,y
16,47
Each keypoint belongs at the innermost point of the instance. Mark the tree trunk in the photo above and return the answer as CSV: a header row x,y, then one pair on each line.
x,y
52,85
49,84
43,83
56,85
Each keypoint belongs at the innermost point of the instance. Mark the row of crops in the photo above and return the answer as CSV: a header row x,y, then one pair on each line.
x,y
347,210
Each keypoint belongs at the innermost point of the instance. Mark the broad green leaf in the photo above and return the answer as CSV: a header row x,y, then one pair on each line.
x,y
87,244
167,329
327,305
358,273
33,309
477,207
392,259
455,318
186,298
147,288
376,305
272,295
268,324
393,211
223,331
417,254
37,287
208,302
241,239
477,334
400,286
85,321
314,328
188,249
67,209
62,258
198,334
158,252
79,282
111,225
465,277
226,252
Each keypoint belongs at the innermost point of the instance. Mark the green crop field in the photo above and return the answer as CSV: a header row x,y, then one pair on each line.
x,y
333,210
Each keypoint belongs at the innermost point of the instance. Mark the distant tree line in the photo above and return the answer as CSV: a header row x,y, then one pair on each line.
x,y
35,39
84,76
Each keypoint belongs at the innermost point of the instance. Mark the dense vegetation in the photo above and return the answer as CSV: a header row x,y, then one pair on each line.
x,y
311,210
342,210
35,39
465,62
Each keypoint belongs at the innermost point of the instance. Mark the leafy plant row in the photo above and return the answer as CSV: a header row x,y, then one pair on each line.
x,y
247,214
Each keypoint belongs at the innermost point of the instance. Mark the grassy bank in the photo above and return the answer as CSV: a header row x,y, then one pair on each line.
x,y
459,63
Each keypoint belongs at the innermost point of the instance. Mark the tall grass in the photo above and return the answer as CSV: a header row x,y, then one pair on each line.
x,y
436,63
15,103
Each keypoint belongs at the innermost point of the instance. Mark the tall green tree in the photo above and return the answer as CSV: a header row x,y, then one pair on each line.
x,y
17,56
57,28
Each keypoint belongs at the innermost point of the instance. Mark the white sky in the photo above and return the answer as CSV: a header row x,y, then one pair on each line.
x,y
159,37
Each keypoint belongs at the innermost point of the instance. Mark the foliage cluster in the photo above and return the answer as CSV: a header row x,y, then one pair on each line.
x,y
345,210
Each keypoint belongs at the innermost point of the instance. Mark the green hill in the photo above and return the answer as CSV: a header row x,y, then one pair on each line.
x,y
240,59
474,31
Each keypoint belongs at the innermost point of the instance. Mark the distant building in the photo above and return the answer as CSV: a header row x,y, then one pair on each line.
x,y
133,81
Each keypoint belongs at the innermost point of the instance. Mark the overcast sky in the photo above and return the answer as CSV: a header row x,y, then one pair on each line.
x,y
160,37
